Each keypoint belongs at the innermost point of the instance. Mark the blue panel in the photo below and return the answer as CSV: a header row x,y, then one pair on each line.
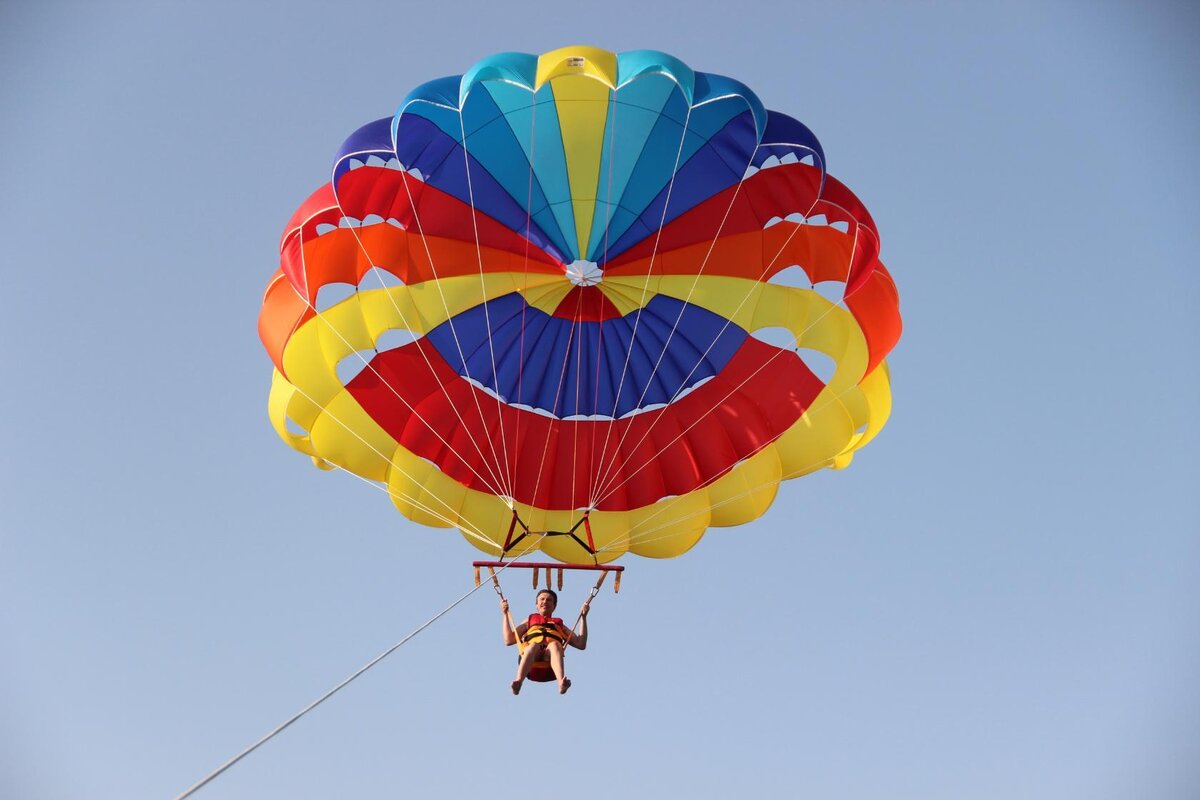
x,y
493,145
570,368
634,63
550,165
520,68
440,91
509,128
727,124
708,172
534,140
660,155
710,86
444,117
423,145
782,129
735,145
637,108
372,138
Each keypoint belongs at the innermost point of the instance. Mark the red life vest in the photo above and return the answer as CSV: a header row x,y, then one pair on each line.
x,y
539,629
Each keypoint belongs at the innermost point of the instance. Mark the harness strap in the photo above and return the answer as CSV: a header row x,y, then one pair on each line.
x,y
544,632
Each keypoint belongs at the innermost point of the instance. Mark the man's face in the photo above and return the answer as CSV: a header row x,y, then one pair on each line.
x,y
545,604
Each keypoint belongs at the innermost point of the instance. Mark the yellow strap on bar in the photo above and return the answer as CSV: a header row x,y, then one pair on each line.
x,y
477,577
560,579
617,584
535,577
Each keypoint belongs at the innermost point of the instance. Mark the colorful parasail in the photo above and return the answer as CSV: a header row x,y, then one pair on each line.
x,y
581,291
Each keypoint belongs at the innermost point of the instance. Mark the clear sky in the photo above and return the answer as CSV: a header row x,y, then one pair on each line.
x,y
998,600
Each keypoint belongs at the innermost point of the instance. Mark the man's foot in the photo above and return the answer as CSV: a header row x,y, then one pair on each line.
x,y
563,685
516,687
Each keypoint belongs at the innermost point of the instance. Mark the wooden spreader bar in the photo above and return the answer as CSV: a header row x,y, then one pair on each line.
x,y
550,568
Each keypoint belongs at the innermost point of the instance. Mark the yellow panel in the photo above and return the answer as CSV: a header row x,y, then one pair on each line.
x,y
817,323
669,527
356,323
877,389
582,102
547,298
344,435
599,64
843,417
821,434
284,402
627,300
406,481
746,491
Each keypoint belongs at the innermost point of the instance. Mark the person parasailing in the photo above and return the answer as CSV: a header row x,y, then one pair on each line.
x,y
543,637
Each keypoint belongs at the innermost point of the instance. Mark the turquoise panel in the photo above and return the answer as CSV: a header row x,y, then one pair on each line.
x,y
550,166
637,108
532,122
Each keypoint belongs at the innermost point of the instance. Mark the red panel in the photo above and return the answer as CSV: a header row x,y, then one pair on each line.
x,y
554,463
317,202
345,255
746,207
386,192
442,238
586,304
745,249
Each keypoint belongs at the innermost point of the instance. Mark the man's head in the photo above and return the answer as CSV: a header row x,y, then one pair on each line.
x,y
545,602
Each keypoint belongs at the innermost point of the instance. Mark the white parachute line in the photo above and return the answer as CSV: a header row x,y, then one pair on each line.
x,y
654,252
474,533
640,538
678,318
517,442
391,462
487,317
555,420
625,477
494,483
577,332
593,468
609,472
494,469
401,398
283,726
367,364
729,321
620,480
691,290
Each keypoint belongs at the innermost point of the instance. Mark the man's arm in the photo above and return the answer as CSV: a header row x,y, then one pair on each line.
x,y
579,640
506,629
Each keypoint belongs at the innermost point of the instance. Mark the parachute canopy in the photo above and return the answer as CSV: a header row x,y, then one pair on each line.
x,y
581,282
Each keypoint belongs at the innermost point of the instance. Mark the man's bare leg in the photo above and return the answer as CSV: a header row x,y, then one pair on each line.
x,y
527,658
556,664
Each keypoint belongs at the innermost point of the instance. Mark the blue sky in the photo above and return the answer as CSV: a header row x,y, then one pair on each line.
x,y
999,599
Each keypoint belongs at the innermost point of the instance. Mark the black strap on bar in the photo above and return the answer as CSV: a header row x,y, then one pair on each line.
x,y
589,545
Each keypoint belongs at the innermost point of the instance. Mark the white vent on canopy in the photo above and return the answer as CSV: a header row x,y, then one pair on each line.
x,y
584,273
